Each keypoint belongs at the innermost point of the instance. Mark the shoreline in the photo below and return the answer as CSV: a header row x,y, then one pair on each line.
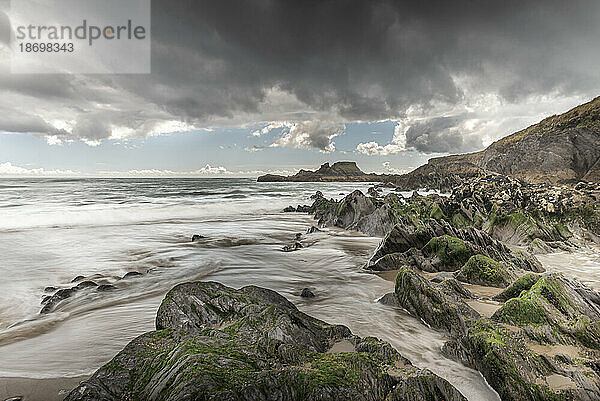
x,y
49,389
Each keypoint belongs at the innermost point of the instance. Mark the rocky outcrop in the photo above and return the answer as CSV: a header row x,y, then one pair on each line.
x,y
539,339
433,303
437,246
217,343
339,171
481,270
355,212
559,149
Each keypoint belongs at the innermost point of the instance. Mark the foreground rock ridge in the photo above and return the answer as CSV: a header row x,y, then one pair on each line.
x,y
466,266
213,342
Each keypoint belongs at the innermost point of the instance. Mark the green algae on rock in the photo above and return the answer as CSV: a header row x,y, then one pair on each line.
x,y
217,343
481,270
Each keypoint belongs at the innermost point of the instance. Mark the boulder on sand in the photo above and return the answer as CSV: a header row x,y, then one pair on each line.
x,y
217,343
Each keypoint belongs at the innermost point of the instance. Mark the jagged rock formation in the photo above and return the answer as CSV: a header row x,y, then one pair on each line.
x,y
217,343
355,212
533,336
339,171
541,345
488,207
436,246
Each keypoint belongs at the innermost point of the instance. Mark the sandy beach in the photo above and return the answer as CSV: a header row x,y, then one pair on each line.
x,y
53,389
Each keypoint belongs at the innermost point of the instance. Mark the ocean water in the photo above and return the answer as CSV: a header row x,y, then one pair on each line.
x,y
52,230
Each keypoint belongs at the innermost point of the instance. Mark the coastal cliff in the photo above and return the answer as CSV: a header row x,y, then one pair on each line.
x,y
562,149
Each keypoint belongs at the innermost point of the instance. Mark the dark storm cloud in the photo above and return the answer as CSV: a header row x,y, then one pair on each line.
x,y
346,60
23,123
368,59
441,135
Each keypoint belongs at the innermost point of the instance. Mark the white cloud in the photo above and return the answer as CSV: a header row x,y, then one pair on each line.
x,y
399,138
392,170
469,125
53,140
314,134
398,143
8,169
271,127
373,148
11,170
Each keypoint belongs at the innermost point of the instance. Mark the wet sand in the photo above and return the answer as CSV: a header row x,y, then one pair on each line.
x,y
389,275
483,307
54,389
481,291
342,346
557,382
571,351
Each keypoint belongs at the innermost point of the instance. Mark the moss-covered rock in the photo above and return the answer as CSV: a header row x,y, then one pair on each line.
x,y
565,309
217,343
450,252
447,247
523,283
429,302
507,364
480,269
437,213
460,221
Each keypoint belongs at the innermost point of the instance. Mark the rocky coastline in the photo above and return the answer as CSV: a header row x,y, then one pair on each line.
x,y
465,265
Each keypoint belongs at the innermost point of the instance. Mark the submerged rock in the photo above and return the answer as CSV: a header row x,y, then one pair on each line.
x,y
307,293
214,342
85,284
312,229
51,301
131,275
197,237
303,209
292,247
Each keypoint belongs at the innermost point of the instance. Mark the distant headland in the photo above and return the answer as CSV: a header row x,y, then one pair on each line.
x,y
339,171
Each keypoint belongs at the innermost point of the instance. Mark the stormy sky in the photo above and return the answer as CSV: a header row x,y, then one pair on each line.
x,y
258,85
